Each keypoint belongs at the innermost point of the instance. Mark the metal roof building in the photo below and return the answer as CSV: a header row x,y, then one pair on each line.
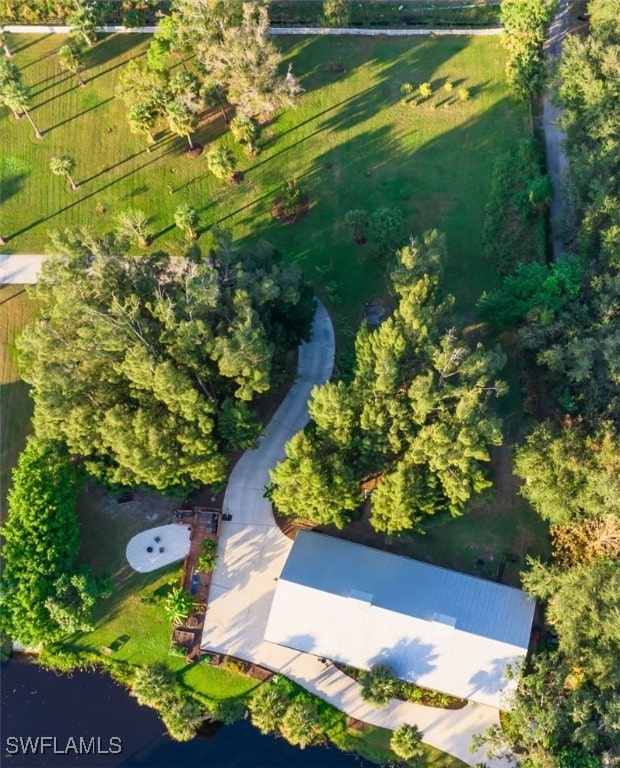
x,y
435,627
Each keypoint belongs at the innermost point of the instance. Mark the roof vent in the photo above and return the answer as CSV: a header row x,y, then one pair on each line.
x,y
441,618
363,597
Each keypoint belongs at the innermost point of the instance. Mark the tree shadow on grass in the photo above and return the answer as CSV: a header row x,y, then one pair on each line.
x,y
11,185
110,47
80,200
78,114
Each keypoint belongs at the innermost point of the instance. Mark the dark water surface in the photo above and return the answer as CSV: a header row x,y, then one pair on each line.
x,y
37,703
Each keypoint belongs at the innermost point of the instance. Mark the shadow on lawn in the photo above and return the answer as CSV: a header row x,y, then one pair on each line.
x,y
79,114
11,185
43,219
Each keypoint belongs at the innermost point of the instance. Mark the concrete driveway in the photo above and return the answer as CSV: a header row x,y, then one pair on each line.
x,y
252,553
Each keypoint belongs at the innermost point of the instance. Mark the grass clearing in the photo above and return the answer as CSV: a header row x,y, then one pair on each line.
x,y
351,143
373,743
16,309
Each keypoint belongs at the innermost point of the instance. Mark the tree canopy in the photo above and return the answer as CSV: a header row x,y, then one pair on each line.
x,y
43,596
414,420
146,366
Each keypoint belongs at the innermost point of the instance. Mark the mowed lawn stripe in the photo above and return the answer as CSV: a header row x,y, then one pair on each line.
x,y
351,142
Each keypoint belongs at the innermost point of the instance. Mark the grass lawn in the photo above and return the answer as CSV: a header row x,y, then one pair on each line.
x,y
16,308
373,743
351,143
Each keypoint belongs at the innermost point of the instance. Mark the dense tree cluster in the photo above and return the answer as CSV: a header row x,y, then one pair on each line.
x,y
228,58
524,23
146,367
566,708
514,227
414,420
43,596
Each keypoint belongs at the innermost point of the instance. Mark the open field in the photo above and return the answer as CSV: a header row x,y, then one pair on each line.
x,y
352,142
16,308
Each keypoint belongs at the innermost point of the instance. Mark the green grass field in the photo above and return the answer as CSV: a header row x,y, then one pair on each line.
x,y
352,142
16,308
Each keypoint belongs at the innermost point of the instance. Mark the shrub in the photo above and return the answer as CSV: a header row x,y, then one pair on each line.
x,y
426,90
407,89
357,221
379,685
178,605
386,231
464,94
406,742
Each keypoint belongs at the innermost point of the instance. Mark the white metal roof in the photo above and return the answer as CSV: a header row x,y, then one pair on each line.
x,y
439,628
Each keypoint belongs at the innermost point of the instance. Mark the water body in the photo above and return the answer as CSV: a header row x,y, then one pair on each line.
x,y
37,703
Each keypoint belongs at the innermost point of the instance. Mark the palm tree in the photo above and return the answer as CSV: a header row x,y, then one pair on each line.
x,y
215,98
186,219
378,685
4,44
178,605
71,58
300,725
267,708
406,742
133,225
221,162
83,24
16,95
181,120
8,74
64,166
142,119
245,131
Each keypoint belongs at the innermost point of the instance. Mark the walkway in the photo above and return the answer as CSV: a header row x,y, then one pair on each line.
x,y
252,553
20,269
557,163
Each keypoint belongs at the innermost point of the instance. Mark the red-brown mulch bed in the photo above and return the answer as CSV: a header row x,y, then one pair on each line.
x,y
292,214
237,178
195,152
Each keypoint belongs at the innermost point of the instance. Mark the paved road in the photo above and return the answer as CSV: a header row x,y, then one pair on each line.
x,y
557,163
251,556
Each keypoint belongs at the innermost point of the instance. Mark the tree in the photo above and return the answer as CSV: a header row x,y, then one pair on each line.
x,y
524,24
181,717
4,44
153,685
241,58
406,742
515,212
301,725
245,132
386,232
8,73
582,605
570,475
17,97
64,166
42,596
178,605
320,487
379,685
426,90
134,226
142,118
214,97
221,161
83,23
267,708
357,221
413,421
160,360
186,219
71,58
336,13
181,120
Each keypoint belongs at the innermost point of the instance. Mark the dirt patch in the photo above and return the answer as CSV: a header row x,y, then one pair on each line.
x,y
195,152
290,214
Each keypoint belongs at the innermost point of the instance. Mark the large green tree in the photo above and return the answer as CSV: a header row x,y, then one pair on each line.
x,y
414,421
145,367
42,596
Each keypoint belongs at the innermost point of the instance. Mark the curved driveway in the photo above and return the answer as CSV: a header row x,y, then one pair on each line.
x,y
251,556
